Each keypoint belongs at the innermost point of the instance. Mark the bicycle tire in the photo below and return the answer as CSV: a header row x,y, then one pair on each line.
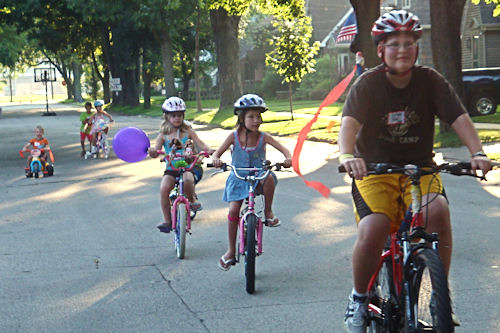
x,y
105,149
383,296
36,169
180,230
429,300
251,225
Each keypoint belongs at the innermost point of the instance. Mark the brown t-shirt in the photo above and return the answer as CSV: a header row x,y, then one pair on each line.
x,y
397,125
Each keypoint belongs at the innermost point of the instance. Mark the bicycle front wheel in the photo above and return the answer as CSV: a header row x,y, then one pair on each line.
x,y
383,306
429,297
180,230
250,253
36,169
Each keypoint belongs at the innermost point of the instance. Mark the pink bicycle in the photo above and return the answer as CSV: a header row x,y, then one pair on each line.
x,y
250,228
181,207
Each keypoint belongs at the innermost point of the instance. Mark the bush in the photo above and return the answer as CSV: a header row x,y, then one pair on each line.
x,y
270,84
316,85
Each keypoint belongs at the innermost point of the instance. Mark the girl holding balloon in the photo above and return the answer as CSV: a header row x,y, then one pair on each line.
x,y
174,129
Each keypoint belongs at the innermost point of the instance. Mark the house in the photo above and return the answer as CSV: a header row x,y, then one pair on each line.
x,y
323,14
480,34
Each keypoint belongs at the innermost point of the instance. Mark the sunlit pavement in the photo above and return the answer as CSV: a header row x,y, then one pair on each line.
x,y
79,251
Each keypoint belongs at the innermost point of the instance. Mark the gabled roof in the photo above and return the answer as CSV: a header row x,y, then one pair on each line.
x,y
324,15
486,12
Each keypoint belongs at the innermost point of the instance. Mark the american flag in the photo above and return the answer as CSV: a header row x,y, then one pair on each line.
x,y
348,30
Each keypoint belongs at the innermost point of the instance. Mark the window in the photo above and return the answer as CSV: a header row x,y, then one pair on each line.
x,y
343,60
406,3
475,52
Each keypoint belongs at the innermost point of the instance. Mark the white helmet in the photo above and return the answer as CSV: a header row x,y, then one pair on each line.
x,y
173,104
249,101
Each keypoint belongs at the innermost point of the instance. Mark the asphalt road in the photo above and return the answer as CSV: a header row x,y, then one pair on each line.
x,y
79,251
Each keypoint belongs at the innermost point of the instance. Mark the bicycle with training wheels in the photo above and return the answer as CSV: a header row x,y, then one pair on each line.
x,y
181,207
101,143
409,290
250,227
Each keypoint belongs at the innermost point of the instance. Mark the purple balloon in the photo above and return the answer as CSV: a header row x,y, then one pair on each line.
x,y
131,144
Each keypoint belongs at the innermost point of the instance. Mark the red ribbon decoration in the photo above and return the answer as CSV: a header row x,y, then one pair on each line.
x,y
332,97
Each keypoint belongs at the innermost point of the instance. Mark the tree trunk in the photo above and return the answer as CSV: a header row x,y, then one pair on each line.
x,y
227,48
446,17
168,62
10,85
186,78
147,78
197,60
103,78
108,59
367,12
129,93
77,85
290,98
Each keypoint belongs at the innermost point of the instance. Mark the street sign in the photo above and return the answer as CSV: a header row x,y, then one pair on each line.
x,y
115,87
114,80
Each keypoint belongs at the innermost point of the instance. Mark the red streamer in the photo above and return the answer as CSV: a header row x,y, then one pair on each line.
x,y
332,97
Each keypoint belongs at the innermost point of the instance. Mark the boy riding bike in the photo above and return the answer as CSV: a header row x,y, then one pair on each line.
x,y
389,117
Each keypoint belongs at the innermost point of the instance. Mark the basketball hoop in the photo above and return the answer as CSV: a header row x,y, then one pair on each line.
x,y
45,75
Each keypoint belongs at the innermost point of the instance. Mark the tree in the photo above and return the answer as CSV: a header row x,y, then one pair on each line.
x,y
367,12
225,16
446,17
11,52
496,11
292,56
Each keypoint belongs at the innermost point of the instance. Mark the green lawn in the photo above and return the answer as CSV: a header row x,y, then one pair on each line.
x,y
277,119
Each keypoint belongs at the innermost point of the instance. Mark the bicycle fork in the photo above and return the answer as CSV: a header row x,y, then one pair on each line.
x,y
242,226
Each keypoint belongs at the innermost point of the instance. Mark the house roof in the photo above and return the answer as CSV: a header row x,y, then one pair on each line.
x,y
324,15
487,13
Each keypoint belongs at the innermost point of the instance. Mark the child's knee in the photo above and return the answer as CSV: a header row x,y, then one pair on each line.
x,y
232,218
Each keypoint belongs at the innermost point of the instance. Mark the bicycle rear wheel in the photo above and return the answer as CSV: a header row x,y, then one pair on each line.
x,y
430,306
250,253
383,306
180,230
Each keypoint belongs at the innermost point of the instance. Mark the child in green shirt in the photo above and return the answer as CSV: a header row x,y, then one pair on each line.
x,y
86,126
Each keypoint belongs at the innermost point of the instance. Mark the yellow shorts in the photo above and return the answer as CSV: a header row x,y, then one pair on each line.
x,y
389,195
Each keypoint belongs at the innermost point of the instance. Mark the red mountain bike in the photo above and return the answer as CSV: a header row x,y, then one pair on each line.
x,y
409,291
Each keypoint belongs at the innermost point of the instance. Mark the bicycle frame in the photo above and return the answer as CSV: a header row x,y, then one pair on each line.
x,y
180,196
251,211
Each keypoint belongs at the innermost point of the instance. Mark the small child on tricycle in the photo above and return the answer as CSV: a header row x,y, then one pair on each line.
x,y
37,160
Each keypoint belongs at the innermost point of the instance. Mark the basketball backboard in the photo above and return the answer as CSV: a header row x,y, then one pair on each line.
x,y
45,74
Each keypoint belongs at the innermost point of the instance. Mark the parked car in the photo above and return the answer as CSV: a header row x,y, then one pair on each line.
x,y
482,90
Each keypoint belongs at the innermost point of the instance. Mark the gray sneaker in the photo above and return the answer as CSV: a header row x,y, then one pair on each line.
x,y
356,314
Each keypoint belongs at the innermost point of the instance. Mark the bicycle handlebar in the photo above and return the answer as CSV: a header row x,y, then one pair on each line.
x,y
457,169
191,165
42,150
267,166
